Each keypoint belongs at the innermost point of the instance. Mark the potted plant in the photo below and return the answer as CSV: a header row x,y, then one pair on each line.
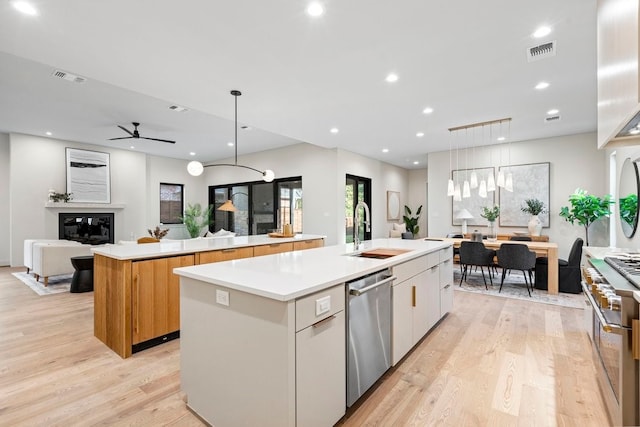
x,y
157,232
586,209
412,221
195,218
534,207
491,214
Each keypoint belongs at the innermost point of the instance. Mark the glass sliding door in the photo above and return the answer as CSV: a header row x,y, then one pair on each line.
x,y
290,204
263,207
357,189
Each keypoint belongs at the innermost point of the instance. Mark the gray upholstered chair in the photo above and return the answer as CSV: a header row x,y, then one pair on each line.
x,y
476,254
569,272
516,256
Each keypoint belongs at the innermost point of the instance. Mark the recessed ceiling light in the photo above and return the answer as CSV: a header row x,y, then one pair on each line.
x,y
25,7
48,133
541,32
420,134
245,127
334,130
230,144
192,153
416,162
315,9
428,110
385,150
392,78
553,111
132,147
542,85
501,138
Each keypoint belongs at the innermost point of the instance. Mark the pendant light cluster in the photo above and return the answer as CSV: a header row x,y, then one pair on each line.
x,y
485,184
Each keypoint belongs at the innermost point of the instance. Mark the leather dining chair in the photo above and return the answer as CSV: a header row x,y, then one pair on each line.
x,y
475,254
516,256
569,272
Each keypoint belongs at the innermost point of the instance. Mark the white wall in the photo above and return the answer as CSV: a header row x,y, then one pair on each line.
x,y
575,163
5,218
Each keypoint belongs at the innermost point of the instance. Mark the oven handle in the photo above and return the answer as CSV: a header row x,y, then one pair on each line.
x,y
607,327
358,292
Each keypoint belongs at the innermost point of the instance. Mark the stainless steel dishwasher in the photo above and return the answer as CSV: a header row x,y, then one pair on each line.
x,y
368,331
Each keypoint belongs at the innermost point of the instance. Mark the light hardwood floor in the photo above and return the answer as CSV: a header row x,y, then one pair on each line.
x,y
492,361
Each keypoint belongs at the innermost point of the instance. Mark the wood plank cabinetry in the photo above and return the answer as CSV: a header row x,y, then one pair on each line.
x,y
156,297
137,301
419,294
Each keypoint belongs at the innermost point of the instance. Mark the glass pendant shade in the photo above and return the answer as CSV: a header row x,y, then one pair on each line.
x,y
508,185
500,181
456,194
466,192
450,188
482,191
473,180
491,183
195,168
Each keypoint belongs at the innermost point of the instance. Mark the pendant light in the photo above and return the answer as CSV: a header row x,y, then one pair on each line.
x,y
508,184
228,206
473,178
196,168
482,190
491,183
450,186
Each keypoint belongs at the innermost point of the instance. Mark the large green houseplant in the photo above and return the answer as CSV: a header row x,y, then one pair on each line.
x,y
196,218
586,209
412,221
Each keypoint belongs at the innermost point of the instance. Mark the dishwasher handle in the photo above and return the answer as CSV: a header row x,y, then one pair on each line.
x,y
358,292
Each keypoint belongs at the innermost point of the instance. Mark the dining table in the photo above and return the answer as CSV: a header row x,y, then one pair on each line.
x,y
542,249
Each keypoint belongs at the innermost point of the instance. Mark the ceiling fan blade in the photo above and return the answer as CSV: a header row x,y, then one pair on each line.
x,y
124,137
156,139
126,130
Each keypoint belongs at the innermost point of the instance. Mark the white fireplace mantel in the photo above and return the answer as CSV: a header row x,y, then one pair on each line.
x,y
76,206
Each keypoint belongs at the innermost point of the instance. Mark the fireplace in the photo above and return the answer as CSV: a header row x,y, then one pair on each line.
x,y
89,228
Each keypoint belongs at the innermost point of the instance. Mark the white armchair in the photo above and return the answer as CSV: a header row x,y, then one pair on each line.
x,y
28,248
50,259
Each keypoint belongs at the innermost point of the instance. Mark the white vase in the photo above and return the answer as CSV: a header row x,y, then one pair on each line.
x,y
534,225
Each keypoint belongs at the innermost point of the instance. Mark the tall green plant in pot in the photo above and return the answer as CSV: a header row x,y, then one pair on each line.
x,y
586,209
412,221
195,218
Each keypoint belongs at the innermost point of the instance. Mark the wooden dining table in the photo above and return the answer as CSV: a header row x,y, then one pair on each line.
x,y
542,249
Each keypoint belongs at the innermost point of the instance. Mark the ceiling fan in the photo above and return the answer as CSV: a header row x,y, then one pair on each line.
x,y
135,134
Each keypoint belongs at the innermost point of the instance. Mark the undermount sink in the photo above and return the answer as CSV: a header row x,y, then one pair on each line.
x,y
380,253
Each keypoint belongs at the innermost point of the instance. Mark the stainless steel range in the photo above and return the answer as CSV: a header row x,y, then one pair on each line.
x,y
609,287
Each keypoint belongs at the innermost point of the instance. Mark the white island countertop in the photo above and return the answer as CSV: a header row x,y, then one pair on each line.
x,y
290,275
178,247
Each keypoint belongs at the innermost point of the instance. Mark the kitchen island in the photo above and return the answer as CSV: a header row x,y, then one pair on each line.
x,y
137,296
263,340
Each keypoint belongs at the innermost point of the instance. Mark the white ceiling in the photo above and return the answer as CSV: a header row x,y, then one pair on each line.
x,y
300,76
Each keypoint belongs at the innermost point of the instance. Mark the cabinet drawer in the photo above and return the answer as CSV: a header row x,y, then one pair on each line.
x,y
408,269
308,244
446,272
446,254
273,248
225,255
318,306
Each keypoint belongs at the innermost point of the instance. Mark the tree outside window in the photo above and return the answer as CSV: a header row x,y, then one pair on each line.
x,y
171,203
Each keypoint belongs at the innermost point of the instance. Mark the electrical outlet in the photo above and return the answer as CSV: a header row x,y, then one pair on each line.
x,y
222,297
323,305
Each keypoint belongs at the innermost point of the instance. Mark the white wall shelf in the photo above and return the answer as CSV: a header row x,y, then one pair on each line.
x,y
72,206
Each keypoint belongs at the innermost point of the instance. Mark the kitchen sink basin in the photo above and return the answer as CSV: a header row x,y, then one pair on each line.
x,y
381,253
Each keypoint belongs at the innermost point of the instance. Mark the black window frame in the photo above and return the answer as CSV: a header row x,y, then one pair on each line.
x,y
177,220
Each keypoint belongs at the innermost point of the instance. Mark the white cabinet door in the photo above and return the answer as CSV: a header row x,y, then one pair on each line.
x,y
446,299
432,299
402,332
321,372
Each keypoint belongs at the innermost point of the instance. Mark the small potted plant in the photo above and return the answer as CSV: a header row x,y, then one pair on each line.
x,y
412,221
534,207
491,214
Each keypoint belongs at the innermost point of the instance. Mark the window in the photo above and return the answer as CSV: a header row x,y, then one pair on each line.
x,y
171,203
261,207
357,189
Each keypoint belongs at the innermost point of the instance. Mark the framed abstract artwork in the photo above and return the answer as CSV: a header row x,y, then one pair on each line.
x,y
530,181
88,177
475,203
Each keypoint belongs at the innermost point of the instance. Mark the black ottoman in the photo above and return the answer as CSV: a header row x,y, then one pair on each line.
x,y
82,280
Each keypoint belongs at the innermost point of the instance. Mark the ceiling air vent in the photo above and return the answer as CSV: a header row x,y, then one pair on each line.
x,y
68,76
177,108
550,119
541,51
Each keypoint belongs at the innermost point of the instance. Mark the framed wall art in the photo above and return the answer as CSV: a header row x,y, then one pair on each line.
x,y
88,177
530,181
393,205
475,203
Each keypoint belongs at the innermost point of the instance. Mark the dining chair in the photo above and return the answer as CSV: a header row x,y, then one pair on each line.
x,y
569,272
476,254
516,256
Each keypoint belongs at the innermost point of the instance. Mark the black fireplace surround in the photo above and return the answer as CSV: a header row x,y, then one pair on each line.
x,y
88,228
